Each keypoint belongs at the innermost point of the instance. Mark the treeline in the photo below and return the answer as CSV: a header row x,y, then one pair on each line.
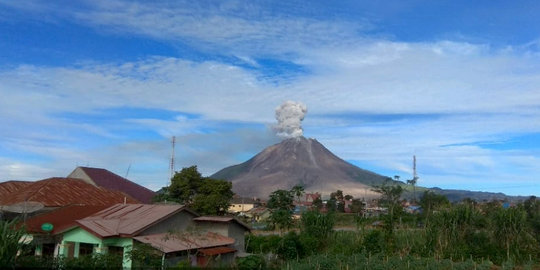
x,y
465,235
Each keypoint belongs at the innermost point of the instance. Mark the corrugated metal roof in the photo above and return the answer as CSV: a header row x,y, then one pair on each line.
x,y
222,220
128,219
216,250
59,191
112,181
62,219
172,243
9,187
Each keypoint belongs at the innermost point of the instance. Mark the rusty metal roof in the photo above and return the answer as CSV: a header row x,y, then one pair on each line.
x,y
112,181
167,243
62,219
222,220
126,220
59,191
9,187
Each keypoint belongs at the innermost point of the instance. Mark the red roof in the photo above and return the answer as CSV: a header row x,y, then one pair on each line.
x,y
9,187
62,219
109,180
59,191
175,242
125,220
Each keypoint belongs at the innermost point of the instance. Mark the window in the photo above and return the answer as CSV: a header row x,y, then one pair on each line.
x,y
116,250
86,249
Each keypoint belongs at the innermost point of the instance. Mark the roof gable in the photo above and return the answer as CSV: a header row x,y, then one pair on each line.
x,y
104,178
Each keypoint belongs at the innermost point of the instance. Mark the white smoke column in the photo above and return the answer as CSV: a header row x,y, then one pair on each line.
x,y
289,116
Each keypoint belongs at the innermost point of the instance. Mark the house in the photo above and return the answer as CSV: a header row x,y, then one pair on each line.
x,y
114,229
106,179
226,226
311,197
241,204
45,195
47,229
258,214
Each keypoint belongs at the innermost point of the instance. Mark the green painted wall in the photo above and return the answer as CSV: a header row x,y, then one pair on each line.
x,y
79,235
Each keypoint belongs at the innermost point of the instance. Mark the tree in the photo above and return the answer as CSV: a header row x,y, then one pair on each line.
x,y
318,203
412,182
281,208
10,244
213,197
185,184
390,198
205,195
431,201
336,201
298,191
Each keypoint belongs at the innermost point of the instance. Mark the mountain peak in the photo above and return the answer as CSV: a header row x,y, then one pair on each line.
x,y
298,161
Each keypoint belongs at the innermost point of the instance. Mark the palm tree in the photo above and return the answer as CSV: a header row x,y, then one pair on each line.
x,y
297,191
412,182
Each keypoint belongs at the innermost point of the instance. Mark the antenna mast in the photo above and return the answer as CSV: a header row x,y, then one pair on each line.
x,y
415,176
171,167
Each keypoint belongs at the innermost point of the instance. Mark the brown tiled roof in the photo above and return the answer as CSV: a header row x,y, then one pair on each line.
x,y
221,220
59,191
172,243
126,220
109,180
62,219
9,187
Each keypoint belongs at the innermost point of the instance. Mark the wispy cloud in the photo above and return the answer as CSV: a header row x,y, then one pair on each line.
x,y
370,99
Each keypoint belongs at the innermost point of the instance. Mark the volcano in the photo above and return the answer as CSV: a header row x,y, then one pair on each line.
x,y
299,161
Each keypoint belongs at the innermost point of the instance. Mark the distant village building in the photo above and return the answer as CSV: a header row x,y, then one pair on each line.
x,y
241,204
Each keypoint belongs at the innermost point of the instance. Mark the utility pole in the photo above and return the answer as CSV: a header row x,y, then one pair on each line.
x,y
171,167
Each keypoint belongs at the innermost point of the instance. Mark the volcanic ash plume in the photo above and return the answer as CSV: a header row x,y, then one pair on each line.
x,y
289,116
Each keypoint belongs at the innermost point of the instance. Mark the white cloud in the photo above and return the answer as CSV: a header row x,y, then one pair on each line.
x,y
453,94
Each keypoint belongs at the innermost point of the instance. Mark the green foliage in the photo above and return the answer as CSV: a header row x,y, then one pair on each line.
x,y
357,206
290,247
317,224
431,201
318,203
261,244
206,196
185,185
281,208
298,191
315,229
251,262
94,261
10,235
145,256
213,197
374,241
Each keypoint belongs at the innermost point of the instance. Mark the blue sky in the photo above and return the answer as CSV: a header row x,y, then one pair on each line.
x,y
107,83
